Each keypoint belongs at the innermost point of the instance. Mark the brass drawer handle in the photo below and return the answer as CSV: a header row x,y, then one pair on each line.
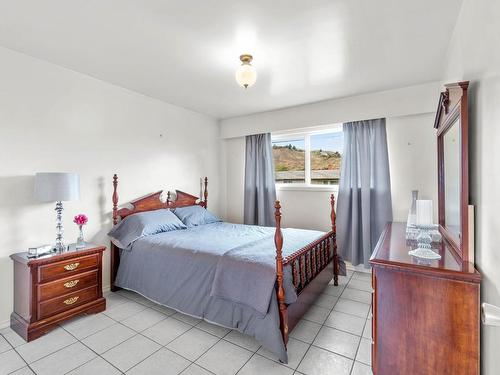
x,y
71,267
71,284
71,300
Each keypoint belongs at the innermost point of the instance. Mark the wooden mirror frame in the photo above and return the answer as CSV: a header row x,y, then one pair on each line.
x,y
452,106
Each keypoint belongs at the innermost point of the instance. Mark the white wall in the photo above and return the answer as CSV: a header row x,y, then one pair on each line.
x,y
234,157
412,158
411,142
53,119
306,209
474,55
391,103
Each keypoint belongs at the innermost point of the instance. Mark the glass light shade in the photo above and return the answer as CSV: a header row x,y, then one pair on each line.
x,y
246,75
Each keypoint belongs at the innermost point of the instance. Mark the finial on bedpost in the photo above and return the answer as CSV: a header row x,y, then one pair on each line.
x,y
278,236
168,198
205,192
333,216
278,242
115,199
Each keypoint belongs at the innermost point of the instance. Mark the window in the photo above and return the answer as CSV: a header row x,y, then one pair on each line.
x,y
289,160
308,159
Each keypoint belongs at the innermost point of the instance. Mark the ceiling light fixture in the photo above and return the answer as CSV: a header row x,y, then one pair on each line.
x,y
246,74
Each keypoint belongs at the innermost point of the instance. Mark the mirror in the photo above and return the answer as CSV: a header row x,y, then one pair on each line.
x,y
452,125
451,157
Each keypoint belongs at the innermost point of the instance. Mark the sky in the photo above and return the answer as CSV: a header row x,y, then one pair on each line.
x,y
327,142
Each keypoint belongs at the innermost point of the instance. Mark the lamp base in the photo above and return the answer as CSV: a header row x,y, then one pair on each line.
x,y
59,246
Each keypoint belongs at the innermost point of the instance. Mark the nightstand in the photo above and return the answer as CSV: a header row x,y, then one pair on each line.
x,y
53,288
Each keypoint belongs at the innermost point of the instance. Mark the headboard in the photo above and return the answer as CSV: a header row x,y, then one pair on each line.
x,y
153,201
149,202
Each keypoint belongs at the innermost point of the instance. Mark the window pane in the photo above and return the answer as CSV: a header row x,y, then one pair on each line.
x,y
326,156
289,161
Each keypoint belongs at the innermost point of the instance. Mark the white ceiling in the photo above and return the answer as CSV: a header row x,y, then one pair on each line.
x,y
185,52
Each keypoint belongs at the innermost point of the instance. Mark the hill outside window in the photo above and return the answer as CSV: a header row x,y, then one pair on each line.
x,y
308,159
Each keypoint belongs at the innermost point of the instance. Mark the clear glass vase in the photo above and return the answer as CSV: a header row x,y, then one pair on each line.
x,y
412,220
80,241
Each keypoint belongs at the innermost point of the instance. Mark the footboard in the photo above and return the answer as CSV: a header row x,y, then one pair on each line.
x,y
306,263
309,261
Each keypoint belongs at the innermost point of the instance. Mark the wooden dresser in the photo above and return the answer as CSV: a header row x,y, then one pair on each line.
x,y
425,317
53,288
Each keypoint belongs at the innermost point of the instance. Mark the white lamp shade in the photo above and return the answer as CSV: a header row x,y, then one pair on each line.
x,y
54,187
246,75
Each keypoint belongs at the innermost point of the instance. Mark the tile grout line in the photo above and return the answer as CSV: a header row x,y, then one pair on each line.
x,y
160,348
223,338
194,326
244,364
20,356
197,358
253,354
98,355
348,282
45,356
148,338
361,338
195,364
136,334
241,346
357,350
323,325
317,333
344,287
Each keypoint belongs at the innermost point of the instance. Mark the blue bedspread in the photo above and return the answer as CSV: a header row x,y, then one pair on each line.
x,y
246,274
221,272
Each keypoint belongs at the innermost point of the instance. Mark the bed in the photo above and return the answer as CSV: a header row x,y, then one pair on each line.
x,y
258,280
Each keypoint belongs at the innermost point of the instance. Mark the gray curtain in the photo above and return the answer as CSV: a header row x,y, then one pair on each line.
x,y
260,191
364,205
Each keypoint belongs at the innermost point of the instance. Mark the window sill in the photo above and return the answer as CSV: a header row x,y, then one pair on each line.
x,y
319,188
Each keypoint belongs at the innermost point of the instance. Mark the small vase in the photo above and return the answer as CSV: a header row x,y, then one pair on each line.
x,y
80,242
413,209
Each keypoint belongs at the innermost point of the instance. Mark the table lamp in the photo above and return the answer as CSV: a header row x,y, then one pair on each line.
x,y
57,187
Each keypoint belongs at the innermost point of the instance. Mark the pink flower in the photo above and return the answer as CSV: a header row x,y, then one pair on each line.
x,y
80,219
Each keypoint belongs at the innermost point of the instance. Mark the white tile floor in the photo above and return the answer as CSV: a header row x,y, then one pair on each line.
x,y
136,336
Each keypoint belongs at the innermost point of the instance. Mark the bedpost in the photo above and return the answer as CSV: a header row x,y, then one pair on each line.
x,y
205,192
115,256
115,199
278,241
333,217
168,198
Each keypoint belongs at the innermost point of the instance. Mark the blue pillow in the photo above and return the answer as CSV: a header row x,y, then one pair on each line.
x,y
143,224
193,216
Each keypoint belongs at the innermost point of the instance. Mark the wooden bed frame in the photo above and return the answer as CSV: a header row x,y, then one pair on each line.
x,y
311,266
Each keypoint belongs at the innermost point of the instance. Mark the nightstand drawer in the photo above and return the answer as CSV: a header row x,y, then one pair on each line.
x,y
66,302
67,267
67,285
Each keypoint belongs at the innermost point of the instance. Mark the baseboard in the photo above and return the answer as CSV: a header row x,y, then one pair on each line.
x,y
106,288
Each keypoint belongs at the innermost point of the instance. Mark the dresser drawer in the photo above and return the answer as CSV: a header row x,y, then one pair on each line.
x,y
66,268
66,302
67,285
